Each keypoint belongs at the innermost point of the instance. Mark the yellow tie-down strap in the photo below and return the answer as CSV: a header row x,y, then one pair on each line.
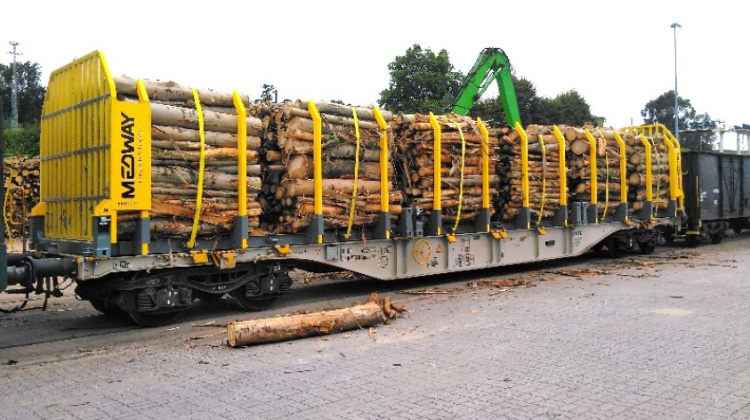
x,y
606,174
544,178
356,175
201,170
461,181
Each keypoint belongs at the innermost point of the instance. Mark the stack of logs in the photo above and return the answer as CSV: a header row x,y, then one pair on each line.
x,y
21,180
415,151
175,156
288,188
607,167
636,153
544,175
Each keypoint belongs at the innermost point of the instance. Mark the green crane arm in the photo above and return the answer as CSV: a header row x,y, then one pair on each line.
x,y
491,65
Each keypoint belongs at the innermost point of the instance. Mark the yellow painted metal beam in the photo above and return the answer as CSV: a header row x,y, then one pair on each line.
x,y
144,214
242,157
649,179
562,169
524,164
485,166
672,169
317,160
437,153
592,164
383,130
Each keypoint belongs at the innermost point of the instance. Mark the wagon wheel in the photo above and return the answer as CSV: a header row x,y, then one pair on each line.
x,y
692,240
252,304
102,306
647,247
614,248
154,319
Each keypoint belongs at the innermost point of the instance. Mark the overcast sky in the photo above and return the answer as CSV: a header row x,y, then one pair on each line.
x,y
618,55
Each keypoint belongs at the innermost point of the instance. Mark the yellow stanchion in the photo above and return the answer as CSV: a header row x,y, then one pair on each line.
x,y
201,170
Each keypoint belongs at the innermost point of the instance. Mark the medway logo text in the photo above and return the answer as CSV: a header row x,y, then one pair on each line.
x,y
127,161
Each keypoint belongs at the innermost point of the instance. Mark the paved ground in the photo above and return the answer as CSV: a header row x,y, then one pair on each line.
x,y
660,337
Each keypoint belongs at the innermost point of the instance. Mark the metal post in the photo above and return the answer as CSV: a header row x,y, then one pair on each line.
x,y
676,109
14,89
739,142
721,141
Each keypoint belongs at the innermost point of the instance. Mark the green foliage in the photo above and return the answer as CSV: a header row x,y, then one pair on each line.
x,y
267,95
661,111
30,90
24,140
421,81
491,110
567,108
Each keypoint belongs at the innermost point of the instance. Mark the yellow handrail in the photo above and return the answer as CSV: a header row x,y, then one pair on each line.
x,y
242,159
383,129
485,166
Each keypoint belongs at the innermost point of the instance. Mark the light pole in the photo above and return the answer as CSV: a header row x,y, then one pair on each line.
x,y
14,89
676,109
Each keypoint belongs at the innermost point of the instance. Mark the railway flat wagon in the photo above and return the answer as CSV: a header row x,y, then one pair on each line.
x,y
717,194
94,223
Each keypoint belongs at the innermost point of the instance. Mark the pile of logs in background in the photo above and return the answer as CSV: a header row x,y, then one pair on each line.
x,y
544,175
21,177
175,155
415,153
288,195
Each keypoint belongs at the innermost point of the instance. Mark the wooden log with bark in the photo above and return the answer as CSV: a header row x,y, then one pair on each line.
x,y
269,330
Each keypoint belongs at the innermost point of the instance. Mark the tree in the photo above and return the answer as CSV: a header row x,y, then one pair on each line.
x,y
567,108
661,111
268,93
30,90
421,81
570,108
491,110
